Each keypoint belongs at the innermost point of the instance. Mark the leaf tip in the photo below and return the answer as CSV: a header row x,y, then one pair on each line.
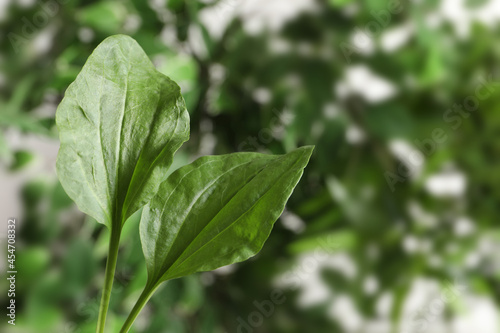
x,y
306,151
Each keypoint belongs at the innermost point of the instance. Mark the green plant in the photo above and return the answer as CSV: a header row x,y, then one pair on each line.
x,y
120,123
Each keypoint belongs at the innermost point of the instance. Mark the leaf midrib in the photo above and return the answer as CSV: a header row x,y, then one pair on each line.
x,y
119,141
100,141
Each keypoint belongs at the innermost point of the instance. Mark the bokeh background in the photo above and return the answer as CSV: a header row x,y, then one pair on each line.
x,y
394,225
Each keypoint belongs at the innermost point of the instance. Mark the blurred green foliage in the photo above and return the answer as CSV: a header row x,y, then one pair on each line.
x,y
271,90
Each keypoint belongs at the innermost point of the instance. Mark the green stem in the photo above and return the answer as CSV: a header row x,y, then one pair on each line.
x,y
108,278
139,305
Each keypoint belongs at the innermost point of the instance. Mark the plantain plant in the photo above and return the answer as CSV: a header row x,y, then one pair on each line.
x,y
120,124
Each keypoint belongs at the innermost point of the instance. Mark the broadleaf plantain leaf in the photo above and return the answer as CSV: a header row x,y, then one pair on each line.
x,y
216,211
120,123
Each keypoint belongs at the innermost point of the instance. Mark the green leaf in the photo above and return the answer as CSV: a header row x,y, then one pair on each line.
x,y
106,16
119,123
22,158
216,211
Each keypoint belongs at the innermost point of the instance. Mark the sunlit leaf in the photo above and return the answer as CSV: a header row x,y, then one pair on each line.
x,y
216,211
120,123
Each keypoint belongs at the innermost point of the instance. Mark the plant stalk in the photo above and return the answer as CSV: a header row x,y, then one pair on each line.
x,y
108,278
139,305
